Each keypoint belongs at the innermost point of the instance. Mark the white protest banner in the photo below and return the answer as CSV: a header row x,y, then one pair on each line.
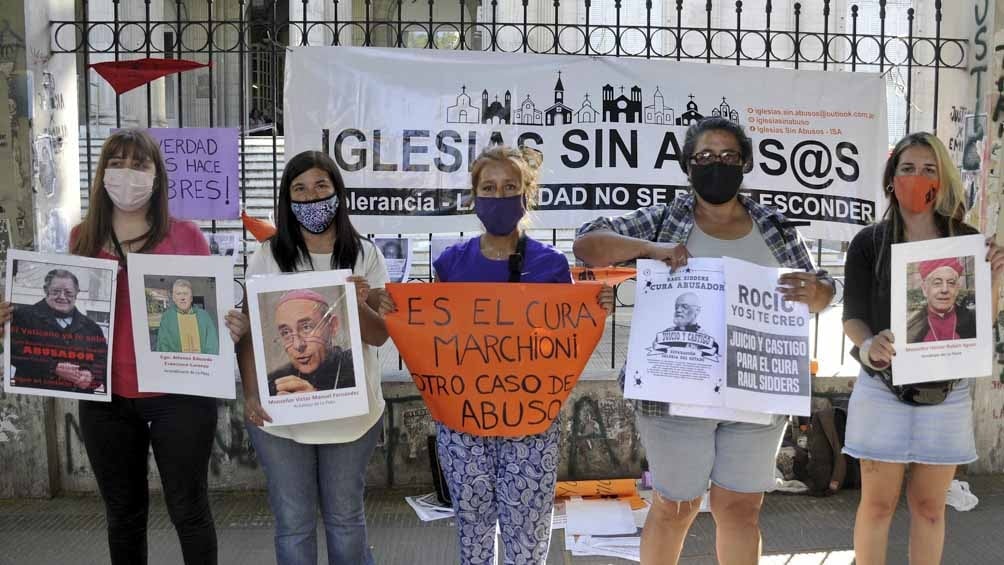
x,y
940,310
767,343
60,335
307,348
404,126
182,344
676,346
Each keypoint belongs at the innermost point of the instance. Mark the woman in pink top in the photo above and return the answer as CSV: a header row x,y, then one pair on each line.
x,y
129,214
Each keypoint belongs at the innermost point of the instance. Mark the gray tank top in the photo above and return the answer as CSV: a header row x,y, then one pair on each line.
x,y
750,247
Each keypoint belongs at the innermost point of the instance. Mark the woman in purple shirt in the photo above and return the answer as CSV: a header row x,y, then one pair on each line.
x,y
504,480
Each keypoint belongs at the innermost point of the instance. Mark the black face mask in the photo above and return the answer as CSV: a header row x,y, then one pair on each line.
x,y
716,183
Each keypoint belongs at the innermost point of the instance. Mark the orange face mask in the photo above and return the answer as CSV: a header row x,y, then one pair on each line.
x,y
915,193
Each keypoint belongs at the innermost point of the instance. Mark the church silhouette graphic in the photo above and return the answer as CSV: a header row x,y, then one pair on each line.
x,y
496,113
559,112
622,108
616,107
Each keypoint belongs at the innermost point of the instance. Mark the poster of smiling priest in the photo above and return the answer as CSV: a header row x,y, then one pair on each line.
x,y
308,351
60,335
179,305
940,310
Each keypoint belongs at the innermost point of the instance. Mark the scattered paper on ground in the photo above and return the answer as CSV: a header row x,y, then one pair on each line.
x,y
599,517
428,508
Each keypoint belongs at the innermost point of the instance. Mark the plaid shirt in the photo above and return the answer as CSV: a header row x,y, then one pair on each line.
x,y
672,223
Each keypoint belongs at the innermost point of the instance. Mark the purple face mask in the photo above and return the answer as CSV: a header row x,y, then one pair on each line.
x,y
500,215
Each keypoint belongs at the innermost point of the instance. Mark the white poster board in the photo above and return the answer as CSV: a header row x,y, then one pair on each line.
x,y
180,303
676,349
767,343
226,244
397,255
59,339
307,348
940,310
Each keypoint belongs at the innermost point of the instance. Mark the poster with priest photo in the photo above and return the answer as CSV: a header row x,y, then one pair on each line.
x,y
676,348
179,307
940,310
767,343
60,335
308,351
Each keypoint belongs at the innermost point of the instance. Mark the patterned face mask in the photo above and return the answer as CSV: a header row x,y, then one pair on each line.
x,y
315,216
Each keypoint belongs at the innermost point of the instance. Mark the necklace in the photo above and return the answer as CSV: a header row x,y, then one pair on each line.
x,y
494,253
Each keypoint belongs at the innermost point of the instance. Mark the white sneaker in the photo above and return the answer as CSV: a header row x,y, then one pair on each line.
x,y
960,498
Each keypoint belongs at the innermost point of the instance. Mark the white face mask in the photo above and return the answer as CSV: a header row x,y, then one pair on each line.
x,y
129,189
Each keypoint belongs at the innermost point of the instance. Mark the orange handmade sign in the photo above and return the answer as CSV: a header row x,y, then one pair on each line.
x,y
610,275
621,489
495,359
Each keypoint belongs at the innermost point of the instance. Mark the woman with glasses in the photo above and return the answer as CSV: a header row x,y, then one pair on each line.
x,y
926,428
307,326
713,220
320,464
129,214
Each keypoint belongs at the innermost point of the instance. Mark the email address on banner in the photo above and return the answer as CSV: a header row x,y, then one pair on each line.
x,y
810,113
590,196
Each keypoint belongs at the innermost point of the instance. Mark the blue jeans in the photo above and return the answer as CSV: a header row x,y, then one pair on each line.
x,y
301,477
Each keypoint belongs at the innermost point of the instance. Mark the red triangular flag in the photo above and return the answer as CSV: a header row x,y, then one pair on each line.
x,y
127,75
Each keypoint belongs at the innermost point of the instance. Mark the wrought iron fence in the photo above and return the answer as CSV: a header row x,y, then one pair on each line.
x,y
246,41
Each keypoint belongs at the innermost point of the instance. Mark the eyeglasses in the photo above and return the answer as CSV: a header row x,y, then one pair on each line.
x,y
307,329
727,157
304,331
57,292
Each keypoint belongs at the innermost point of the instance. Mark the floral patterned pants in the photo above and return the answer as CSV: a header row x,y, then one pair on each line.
x,y
503,480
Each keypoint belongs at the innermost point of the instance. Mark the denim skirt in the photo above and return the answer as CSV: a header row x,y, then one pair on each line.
x,y
882,428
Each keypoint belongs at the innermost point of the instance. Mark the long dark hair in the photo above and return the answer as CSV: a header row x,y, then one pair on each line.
x,y
288,246
96,229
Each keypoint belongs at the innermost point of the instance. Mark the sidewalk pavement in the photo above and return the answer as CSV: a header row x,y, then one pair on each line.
x,y
797,530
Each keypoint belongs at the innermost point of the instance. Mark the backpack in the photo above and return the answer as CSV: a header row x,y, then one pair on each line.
x,y
820,463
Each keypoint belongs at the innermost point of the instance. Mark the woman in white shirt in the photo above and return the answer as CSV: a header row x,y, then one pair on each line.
x,y
319,464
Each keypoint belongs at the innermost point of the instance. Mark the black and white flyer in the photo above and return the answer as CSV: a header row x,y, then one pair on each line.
x,y
676,349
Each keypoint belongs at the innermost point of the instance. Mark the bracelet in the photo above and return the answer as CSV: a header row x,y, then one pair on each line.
x,y
863,353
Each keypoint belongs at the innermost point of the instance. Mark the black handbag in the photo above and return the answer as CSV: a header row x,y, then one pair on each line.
x,y
917,394
438,479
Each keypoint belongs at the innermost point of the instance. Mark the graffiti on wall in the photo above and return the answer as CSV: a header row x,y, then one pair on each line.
x,y
601,438
231,444
9,432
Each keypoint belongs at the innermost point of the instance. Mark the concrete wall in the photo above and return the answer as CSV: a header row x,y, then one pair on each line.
x,y
39,200
598,440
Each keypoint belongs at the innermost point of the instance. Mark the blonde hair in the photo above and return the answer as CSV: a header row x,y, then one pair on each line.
x,y
949,201
526,160
184,283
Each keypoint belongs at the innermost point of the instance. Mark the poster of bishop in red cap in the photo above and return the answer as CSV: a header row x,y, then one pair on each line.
x,y
310,362
941,310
